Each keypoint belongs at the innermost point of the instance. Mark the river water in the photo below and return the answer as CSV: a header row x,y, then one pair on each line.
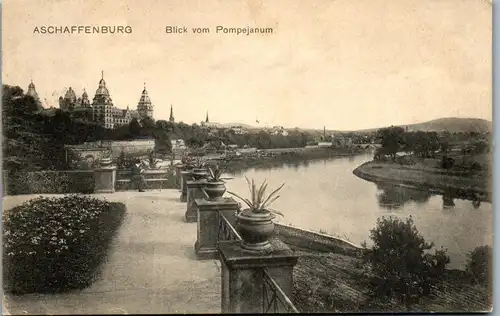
x,y
324,195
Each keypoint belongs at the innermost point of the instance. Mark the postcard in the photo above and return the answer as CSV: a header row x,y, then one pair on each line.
x,y
226,156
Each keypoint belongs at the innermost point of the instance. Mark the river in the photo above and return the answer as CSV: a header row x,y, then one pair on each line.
x,y
324,195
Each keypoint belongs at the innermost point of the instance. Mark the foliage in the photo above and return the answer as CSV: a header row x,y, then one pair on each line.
x,y
49,182
480,265
447,162
57,244
199,163
259,203
215,173
395,139
125,161
392,140
402,266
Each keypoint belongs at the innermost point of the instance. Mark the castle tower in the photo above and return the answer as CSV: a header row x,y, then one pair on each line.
x,y
32,93
144,107
102,105
85,102
171,118
68,102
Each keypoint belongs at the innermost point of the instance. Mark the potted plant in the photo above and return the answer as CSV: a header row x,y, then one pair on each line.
x,y
199,170
215,186
255,224
187,162
105,159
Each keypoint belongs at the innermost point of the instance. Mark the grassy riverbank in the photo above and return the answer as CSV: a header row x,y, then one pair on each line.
x,y
330,282
424,175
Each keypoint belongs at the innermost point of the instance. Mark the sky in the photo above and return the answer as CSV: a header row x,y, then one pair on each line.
x,y
343,64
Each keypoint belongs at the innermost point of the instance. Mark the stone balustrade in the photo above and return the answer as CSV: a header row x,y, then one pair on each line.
x,y
251,282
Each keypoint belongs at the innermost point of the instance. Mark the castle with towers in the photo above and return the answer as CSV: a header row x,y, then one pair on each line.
x,y
101,109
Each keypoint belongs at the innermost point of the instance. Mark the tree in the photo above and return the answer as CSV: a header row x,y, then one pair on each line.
x,y
480,265
401,264
134,128
392,140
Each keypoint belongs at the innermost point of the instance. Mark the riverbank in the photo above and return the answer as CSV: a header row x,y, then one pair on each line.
x,y
332,282
472,186
294,157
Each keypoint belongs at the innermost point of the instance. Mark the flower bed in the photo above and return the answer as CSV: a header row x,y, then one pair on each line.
x,y
57,244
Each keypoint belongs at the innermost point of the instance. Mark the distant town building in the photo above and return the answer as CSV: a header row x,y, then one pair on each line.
x,y
210,125
171,118
278,130
238,130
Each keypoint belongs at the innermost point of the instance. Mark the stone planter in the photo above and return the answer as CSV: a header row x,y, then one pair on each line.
x,y
199,174
255,230
215,190
105,162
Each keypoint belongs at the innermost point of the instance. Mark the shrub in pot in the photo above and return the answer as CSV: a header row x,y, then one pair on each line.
x,y
199,169
215,186
255,224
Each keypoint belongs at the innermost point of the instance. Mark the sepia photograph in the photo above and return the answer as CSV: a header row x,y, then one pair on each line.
x,y
247,156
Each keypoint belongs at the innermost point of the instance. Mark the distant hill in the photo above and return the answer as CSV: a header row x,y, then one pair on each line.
x,y
450,124
453,125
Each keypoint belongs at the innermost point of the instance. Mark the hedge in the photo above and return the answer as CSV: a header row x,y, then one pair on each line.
x,y
57,244
41,182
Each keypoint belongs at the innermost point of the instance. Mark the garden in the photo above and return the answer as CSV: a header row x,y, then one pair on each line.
x,y
57,244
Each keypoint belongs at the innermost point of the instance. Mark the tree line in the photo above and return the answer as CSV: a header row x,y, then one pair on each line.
x,y
424,144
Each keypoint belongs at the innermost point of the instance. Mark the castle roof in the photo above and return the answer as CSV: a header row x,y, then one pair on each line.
x,y
144,100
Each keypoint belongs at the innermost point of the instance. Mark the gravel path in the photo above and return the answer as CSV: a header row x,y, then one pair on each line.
x,y
152,266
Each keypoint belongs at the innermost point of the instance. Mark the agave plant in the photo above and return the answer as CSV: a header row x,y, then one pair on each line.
x,y
199,163
259,202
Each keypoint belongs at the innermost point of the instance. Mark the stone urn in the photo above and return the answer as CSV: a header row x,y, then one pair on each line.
x,y
105,162
255,229
199,173
215,190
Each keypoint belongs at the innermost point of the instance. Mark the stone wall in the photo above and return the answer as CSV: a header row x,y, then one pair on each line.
x,y
132,147
309,240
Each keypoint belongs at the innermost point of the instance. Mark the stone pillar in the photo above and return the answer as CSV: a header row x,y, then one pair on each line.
x,y
208,225
185,176
194,191
104,180
242,276
178,176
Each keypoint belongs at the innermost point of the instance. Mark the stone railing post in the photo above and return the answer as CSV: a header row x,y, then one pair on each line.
x,y
105,179
243,278
185,176
208,225
178,176
194,191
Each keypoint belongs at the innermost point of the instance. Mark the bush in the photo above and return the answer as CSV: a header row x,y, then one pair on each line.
x,y
479,265
447,163
401,264
41,182
57,244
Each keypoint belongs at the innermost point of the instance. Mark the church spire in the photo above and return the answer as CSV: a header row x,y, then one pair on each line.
x,y
206,120
171,119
